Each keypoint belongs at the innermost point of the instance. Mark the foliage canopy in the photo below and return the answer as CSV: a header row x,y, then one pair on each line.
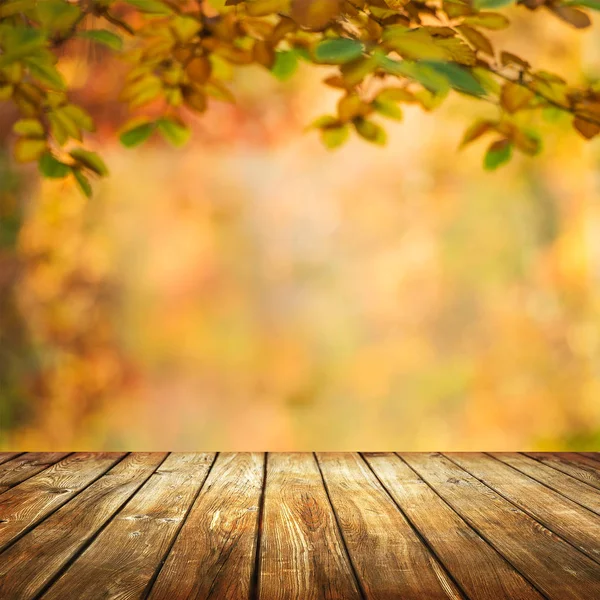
x,y
384,53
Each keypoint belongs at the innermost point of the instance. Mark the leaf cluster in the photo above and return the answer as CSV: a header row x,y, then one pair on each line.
x,y
379,54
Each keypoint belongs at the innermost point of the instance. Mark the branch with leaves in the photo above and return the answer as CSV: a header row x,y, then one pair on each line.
x,y
384,53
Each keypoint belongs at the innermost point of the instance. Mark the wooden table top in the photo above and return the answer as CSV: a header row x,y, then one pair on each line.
x,y
379,526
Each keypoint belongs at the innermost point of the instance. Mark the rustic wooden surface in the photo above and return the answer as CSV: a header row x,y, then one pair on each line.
x,y
331,526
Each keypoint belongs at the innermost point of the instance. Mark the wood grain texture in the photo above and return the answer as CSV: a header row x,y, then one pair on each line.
x,y
27,504
480,571
58,539
25,466
389,558
6,456
121,562
555,567
580,458
214,555
332,526
564,462
564,517
593,455
567,486
302,553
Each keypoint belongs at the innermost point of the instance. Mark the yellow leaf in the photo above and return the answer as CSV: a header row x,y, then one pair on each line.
x,y
217,90
27,150
456,50
396,4
489,20
355,71
142,91
476,39
184,27
31,128
260,8
514,97
457,8
507,58
413,45
351,106
6,92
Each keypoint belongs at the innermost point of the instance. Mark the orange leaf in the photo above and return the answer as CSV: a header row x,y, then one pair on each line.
x,y
315,14
585,128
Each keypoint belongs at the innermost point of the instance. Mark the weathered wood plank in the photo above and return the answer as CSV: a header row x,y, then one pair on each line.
x,y
302,553
25,466
122,560
564,517
556,568
593,455
6,456
580,458
389,558
480,570
27,504
34,560
214,555
568,486
562,463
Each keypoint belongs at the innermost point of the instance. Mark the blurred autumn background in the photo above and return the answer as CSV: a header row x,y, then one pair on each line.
x,y
253,290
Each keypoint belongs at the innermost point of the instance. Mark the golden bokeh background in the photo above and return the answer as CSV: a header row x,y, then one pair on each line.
x,y
255,291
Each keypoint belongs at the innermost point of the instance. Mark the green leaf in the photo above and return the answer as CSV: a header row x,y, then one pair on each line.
x,y
334,137
18,42
79,116
154,7
458,77
57,15
31,128
285,65
103,36
12,7
90,160
337,51
421,72
45,72
173,131
593,4
324,121
388,109
51,167
491,4
136,135
370,131
83,183
497,154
